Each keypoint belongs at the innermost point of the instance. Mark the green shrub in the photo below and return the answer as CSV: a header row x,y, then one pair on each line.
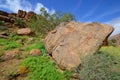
x,y
104,65
112,44
9,44
37,46
17,37
3,42
113,40
19,22
40,25
41,68
12,45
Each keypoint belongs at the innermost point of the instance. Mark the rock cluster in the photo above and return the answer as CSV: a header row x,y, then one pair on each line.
x,y
9,18
71,42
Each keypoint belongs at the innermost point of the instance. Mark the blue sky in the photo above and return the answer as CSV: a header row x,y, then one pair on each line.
x,y
104,11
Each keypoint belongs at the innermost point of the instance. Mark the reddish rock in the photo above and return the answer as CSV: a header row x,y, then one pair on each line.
x,y
24,31
35,52
70,43
23,14
29,15
20,12
12,15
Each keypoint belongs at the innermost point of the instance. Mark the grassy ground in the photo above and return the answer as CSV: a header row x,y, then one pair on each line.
x,y
23,66
104,65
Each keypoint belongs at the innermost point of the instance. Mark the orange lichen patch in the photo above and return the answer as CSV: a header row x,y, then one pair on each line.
x,y
22,70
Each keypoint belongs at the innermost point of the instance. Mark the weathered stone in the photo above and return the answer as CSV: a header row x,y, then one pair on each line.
x,y
4,18
24,31
30,39
3,13
35,52
12,15
10,54
23,14
70,43
8,24
20,12
29,15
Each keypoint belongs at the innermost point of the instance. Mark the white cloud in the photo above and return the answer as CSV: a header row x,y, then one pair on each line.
x,y
15,5
116,24
39,5
37,8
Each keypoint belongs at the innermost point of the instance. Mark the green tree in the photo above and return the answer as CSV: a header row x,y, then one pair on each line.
x,y
40,25
67,17
44,12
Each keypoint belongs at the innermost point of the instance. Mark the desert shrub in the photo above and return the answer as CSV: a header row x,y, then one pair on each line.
x,y
39,45
104,65
41,68
112,44
3,28
19,22
40,25
113,40
1,22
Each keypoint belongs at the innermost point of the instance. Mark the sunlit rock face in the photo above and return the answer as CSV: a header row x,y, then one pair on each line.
x,y
70,42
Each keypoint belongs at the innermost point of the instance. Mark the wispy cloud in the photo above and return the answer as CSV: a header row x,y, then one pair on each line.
x,y
91,11
107,13
39,5
77,6
116,24
15,5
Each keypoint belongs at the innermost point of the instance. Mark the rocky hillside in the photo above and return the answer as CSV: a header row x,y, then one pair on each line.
x,y
115,39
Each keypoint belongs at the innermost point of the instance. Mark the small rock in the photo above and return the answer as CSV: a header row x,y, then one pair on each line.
x,y
30,39
24,31
10,54
35,52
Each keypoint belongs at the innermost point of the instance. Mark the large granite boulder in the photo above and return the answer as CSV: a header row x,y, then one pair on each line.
x,y
71,42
